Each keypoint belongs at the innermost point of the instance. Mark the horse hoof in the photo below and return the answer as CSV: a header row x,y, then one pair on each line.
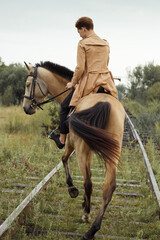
x,y
86,218
73,191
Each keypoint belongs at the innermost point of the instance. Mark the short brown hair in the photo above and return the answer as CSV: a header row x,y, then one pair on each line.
x,y
84,22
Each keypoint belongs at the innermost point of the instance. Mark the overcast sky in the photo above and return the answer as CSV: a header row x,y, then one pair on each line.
x,y
44,30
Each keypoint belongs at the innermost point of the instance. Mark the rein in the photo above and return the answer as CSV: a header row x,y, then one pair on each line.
x,y
32,92
51,99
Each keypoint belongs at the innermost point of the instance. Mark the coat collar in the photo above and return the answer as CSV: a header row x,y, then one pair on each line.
x,y
93,39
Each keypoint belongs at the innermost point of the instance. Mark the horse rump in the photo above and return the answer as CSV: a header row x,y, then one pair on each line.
x,y
89,125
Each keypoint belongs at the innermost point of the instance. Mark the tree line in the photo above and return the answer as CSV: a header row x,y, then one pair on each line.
x,y
12,83
142,99
143,83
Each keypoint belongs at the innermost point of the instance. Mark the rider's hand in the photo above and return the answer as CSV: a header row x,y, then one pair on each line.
x,y
69,85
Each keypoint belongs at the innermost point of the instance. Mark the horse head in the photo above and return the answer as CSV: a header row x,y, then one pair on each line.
x,y
35,89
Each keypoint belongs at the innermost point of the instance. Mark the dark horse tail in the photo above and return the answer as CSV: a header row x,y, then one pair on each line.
x,y
89,125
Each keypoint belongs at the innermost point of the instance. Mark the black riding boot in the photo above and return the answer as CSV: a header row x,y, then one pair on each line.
x,y
55,137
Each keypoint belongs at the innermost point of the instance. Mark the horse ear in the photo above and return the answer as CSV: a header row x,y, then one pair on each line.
x,y
26,66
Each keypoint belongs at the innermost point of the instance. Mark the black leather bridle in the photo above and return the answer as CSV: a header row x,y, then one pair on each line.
x,y
32,92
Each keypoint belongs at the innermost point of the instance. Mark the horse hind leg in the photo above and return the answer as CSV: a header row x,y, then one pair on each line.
x,y
73,191
87,197
108,190
84,157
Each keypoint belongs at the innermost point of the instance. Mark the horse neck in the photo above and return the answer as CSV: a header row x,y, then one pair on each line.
x,y
55,84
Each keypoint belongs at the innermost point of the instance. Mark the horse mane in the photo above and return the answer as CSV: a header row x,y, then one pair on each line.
x,y
57,69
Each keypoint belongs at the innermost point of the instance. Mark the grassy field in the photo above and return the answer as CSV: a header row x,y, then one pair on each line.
x,y
26,156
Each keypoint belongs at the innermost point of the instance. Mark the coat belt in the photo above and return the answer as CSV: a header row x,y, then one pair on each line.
x,y
99,72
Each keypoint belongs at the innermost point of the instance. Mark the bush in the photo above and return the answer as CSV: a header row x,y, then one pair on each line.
x,y
147,117
12,83
146,122
134,107
8,97
157,132
153,92
54,111
53,115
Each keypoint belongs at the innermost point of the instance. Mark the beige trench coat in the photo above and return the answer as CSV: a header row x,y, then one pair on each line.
x,y
92,69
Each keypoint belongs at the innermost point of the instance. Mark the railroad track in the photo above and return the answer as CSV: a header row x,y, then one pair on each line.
x,y
132,214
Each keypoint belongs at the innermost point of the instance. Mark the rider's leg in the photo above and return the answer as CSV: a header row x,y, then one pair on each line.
x,y
60,138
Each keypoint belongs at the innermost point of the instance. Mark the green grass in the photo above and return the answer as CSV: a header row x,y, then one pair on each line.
x,y
26,156
25,153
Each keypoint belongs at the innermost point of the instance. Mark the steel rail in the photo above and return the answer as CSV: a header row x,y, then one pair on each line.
x,y
146,161
5,225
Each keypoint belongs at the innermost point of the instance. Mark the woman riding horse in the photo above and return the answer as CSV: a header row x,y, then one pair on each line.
x,y
97,124
91,74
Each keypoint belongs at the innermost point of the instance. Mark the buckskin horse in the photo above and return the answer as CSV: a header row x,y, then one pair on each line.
x,y
96,126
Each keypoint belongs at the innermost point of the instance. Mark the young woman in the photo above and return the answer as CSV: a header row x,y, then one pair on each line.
x,y
91,74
